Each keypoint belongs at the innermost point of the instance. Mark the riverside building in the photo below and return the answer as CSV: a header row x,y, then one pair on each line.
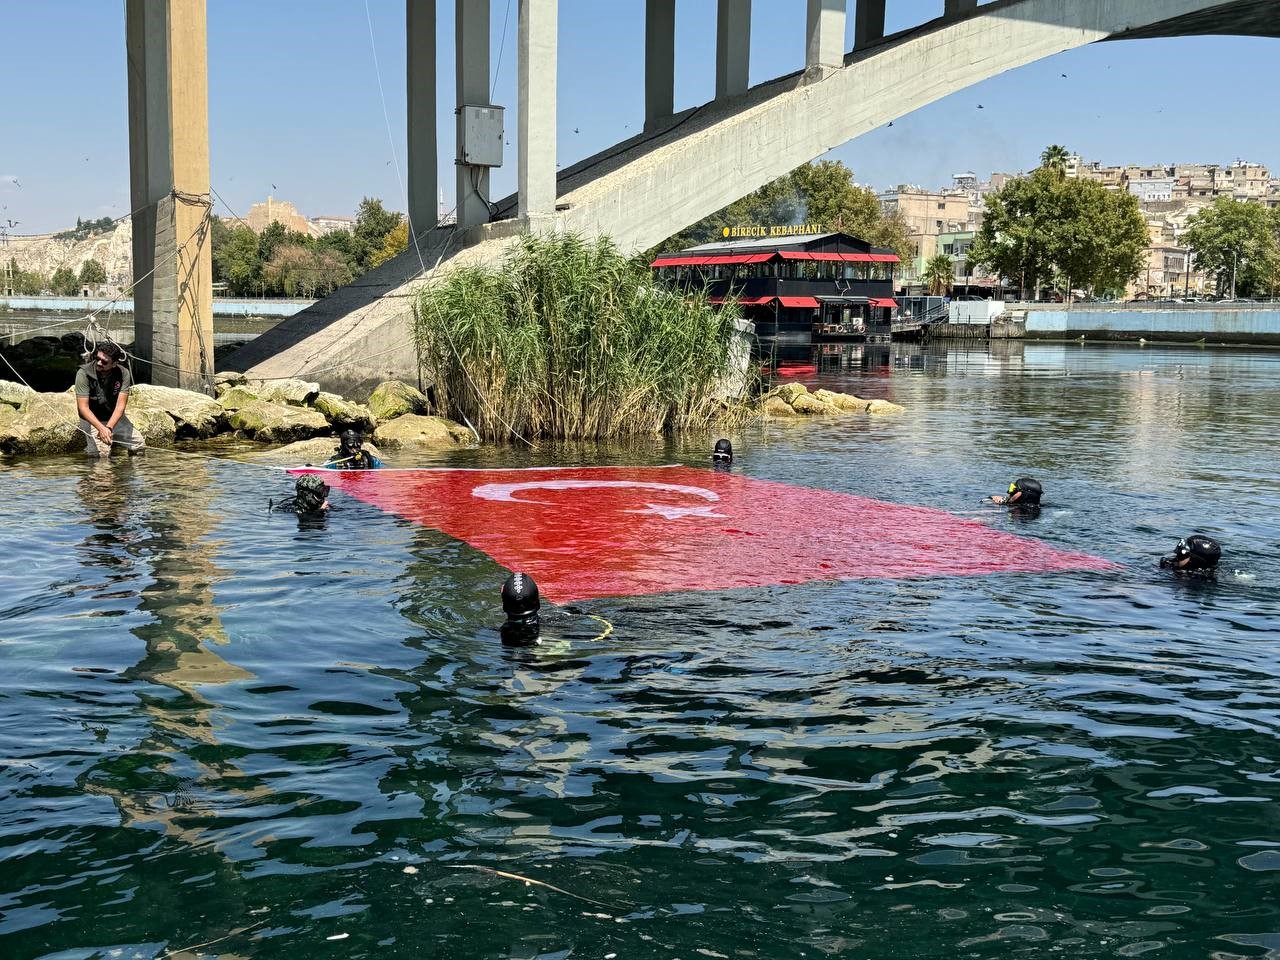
x,y
803,288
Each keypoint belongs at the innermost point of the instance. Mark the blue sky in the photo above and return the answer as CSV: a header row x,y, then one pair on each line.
x,y
295,100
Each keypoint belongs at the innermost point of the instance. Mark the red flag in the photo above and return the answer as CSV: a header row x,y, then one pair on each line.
x,y
586,532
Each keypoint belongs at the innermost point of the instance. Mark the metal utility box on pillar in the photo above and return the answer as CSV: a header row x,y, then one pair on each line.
x,y
169,184
471,66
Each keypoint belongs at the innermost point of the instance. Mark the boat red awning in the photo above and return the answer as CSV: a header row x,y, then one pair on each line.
x,y
744,301
846,257
798,301
883,302
711,261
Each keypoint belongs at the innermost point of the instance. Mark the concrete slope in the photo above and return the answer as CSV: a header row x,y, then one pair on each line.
x,y
648,188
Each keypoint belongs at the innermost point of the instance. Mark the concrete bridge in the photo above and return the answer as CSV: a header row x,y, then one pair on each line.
x,y
682,167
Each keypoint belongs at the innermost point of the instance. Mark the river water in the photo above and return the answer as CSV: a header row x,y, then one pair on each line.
x,y
217,726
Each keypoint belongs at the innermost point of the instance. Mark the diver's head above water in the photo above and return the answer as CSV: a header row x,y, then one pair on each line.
x,y
1023,492
1194,554
722,452
520,602
311,495
350,442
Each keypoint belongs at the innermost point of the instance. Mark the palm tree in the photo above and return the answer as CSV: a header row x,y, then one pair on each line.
x,y
939,273
1054,157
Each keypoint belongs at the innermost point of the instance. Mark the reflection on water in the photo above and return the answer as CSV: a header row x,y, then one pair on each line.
x,y
220,726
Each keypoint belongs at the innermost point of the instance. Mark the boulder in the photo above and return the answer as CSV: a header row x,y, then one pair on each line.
x,y
299,393
809,405
232,378
778,409
412,430
193,414
8,414
788,391
156,426
276,422
314,452
883,406
232,398
45,423
344,414
846,402
12,394
394,398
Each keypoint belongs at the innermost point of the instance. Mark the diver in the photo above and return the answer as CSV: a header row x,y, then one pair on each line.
x,y
722,455
1024,492
310,499
520,602
351,454
1196,555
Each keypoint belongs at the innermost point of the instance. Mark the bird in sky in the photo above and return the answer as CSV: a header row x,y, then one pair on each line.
x,y
979,106
273,186
13,223
891,123
575,129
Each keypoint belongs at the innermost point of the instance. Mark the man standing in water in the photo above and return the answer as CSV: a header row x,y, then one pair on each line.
x,y
102,393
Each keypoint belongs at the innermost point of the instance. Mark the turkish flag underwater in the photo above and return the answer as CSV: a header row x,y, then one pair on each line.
x,y
585,532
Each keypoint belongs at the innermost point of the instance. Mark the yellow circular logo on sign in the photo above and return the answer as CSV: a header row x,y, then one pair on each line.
x,y
724,232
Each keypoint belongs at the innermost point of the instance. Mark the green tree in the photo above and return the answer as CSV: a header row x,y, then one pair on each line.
x,y
1044,228
1054,157
1235,242
92,273
939,274
373,223
822,193
64,283
397,241
237,261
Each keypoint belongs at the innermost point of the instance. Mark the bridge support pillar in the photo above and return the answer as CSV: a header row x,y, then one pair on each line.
x,y
959,8
659,60
733,47
169,186
824,48
420,64
471,30
868,23
537,83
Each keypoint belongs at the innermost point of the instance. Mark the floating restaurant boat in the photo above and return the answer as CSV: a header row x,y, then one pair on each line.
x,y
806,288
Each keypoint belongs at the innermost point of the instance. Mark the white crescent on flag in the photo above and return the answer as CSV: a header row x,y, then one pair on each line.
x,y
506,493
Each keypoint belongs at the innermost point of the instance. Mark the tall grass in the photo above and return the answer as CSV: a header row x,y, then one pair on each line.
x,y
570,339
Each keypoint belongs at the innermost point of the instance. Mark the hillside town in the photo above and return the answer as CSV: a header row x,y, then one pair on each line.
x,y
947,220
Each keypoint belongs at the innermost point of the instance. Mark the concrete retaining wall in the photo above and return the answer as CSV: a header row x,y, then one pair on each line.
x,y
1213,325
221,307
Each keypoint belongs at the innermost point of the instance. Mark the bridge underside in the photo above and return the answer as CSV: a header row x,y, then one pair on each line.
x,y
1244,18
690,165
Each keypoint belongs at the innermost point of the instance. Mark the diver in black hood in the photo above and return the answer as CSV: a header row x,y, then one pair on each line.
x,y
520,602
310,498
1023,492
722,455
351,454
1197,555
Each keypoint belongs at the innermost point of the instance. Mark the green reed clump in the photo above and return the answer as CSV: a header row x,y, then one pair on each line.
x,y
570,339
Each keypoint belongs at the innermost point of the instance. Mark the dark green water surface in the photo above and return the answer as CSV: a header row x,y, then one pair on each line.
x,y
216,726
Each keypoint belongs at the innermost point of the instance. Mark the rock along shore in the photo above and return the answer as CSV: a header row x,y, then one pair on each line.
x,y
396,416
296,412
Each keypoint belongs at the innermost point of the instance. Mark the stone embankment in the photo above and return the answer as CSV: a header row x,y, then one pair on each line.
x,y
396,416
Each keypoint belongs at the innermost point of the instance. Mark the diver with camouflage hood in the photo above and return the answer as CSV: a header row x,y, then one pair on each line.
x,y
310,498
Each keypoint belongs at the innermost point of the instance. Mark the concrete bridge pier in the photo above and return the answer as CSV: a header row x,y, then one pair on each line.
x,y
536,167
824,35
169,185
733,47
659,60
868,22
420,79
